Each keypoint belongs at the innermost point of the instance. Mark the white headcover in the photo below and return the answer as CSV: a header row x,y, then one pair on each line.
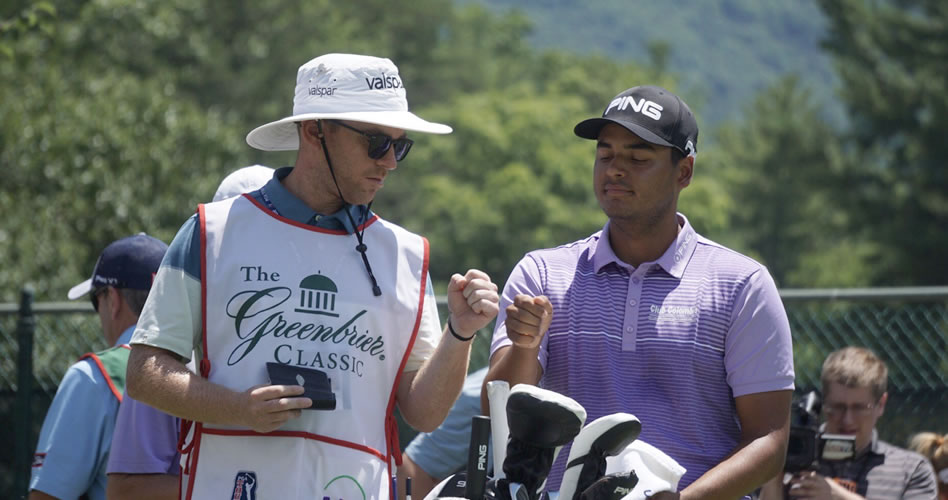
x,y
624,422
656,470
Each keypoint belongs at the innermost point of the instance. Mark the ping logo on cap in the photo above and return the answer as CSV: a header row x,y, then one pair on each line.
x,y
648,108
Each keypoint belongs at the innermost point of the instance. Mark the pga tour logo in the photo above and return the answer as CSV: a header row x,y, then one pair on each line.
x,y
644,106
245,486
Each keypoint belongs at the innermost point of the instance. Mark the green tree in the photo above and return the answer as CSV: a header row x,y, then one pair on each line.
x,y
890,56
783,164
17,20
86,164
125,115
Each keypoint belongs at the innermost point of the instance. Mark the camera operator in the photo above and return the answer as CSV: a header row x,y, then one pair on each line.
x,y
854,389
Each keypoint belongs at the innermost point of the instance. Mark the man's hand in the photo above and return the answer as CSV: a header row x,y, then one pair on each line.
x,y
269,406
528,319
813,486
472,300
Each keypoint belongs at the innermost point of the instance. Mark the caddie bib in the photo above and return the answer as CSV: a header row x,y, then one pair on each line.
x,y
112,362
274,290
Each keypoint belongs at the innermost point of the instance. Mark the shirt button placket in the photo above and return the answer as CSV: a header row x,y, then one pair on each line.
x,y
630,324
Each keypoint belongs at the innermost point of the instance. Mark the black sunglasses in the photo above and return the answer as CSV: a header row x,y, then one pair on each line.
x,y
95,297
379,144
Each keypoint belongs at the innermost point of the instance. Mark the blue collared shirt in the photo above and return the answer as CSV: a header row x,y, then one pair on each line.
x,y
73,448
185,252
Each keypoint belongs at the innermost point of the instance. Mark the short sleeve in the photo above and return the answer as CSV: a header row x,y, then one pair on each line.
x,y
922,483
171,318
145,440
758,349
524,279
429,331
74,442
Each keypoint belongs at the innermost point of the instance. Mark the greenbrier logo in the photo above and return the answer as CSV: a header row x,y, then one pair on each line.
x,y
268,313
318,295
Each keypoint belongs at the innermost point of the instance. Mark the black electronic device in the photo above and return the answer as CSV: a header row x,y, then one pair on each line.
x,y
316,384
808,447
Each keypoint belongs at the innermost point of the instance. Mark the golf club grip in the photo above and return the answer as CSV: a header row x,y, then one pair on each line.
x,y
477,457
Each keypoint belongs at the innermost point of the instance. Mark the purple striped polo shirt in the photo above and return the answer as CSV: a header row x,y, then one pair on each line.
x,y
672,342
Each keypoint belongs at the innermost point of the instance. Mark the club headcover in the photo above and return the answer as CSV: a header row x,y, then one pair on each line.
x,y
656,470
540,422
543,418
604,437
611,487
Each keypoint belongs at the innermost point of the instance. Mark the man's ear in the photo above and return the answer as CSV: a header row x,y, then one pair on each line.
x,y
881,405
310,132
116,302
686,169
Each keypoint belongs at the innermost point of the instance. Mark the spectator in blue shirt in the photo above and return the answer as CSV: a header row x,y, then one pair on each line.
x,y
74,443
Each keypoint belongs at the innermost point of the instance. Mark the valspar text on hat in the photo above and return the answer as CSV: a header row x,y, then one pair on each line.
x,y
344,87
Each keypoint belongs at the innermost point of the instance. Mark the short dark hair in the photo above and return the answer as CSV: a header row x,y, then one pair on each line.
x,y
135,299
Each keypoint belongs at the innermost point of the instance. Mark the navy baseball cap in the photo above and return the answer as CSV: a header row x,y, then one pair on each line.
x,y
130,262
652,113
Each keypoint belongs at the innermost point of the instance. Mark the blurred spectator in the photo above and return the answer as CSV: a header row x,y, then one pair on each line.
x,y
243,180
935,447
74,443
854,384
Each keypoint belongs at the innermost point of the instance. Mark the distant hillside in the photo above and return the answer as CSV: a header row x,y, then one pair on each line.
x,y
724,51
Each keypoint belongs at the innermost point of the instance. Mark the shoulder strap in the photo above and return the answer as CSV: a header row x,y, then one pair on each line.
x,y
112,363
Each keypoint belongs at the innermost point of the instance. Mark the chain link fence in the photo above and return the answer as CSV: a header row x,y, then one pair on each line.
x,y
908,328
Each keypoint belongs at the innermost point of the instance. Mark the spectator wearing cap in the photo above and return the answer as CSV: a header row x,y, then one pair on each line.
x,y
73,447
301,274
143,462
648,317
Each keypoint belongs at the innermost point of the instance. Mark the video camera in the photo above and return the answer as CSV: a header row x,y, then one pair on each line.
x,y
808,447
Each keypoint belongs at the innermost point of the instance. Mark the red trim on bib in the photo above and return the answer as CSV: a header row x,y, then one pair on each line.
x,y
192,461
194,447
307,226
298,434
105,374
205,366
391,425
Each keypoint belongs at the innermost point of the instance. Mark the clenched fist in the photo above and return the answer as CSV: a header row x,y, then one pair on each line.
x,y
528,319
473,301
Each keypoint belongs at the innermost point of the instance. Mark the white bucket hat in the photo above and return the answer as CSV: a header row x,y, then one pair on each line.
x,y
344,87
